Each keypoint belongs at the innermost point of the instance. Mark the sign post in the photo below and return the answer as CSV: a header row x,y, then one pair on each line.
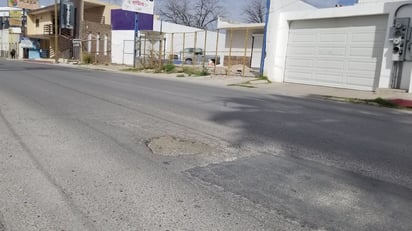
x,y
138,6
136,34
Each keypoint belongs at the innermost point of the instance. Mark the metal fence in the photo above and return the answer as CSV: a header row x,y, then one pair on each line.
x,y
223,53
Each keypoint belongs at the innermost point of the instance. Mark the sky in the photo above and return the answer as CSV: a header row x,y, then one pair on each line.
x,y
235,6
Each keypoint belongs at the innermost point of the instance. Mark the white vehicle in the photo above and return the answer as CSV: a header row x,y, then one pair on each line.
x,y
196,56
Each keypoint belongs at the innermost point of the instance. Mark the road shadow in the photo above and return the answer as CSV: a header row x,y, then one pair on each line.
x,y
319,126
332,165
318,197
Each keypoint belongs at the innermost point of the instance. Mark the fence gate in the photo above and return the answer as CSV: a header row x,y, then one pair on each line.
x,y
77,45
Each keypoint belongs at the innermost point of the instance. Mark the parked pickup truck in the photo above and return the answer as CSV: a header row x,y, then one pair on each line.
x,y
196,56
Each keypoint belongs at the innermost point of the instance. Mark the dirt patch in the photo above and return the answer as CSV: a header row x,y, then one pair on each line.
x,y
174,146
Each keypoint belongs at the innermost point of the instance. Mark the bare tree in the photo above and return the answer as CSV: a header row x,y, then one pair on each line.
x,y
255,11
195,13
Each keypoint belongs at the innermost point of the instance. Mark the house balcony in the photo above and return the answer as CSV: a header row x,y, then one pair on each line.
x,y
48,29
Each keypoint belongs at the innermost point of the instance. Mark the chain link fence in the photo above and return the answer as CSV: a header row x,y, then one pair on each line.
x,y
221,52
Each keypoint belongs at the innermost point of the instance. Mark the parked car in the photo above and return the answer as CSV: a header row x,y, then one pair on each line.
x,y
197,56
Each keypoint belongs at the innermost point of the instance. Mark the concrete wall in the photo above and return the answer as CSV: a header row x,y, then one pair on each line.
x,y
98,32
278,30
189,37
123,41
9,39
104,11
277,34
44,19
4,35
95,14
4,43
122,47
238,41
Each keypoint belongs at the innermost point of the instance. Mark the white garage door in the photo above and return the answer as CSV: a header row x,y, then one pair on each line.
x,y
338,52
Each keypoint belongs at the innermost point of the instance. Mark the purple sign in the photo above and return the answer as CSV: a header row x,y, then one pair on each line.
x,y
125,20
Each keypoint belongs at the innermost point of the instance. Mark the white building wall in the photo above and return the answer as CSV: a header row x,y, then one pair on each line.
x,y
4,42
122,41
6,35
189,35
387,64
240,42
278,30
241,38
122,47
277,33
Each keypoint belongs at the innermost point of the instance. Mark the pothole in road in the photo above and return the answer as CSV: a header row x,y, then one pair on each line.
x,y
174,146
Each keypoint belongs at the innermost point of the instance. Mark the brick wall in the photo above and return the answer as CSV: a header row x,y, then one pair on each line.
x,y
95,29
237,60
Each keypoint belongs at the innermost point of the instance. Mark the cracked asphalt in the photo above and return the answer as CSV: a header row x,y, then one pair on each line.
x,y
74,155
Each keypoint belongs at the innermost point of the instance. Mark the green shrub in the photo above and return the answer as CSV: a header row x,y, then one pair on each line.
x,y
262,77
203,72
169,68
189,70
195,71
132,69
384,102
87,58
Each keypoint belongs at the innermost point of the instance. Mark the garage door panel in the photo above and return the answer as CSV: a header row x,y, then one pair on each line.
x,y
302,51
362,66
302,37
339,52
303,63
367,37
311,65
302,76
332,37
331,51
330,65
364,51
334,77
359,82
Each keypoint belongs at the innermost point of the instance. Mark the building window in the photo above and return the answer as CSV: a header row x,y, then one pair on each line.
x,y
105,45
97,43
37,22
89,42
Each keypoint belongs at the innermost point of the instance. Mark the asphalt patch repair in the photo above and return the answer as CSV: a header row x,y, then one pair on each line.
x,y
174,146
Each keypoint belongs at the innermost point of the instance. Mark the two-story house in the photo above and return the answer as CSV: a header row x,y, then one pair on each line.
x,y
88,38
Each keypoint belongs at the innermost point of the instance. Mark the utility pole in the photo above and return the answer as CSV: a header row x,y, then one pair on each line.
x,y
78,32
136,33
56,35
1,42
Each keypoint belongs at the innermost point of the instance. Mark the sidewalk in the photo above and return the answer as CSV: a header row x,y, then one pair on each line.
x,y
399,97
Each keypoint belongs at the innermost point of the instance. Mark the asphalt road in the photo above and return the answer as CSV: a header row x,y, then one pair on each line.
x,y
74,155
